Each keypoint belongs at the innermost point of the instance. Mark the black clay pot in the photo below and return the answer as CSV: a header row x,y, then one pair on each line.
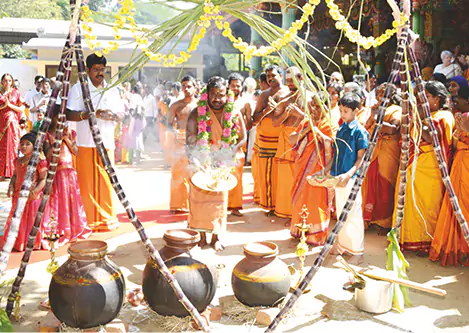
x,y
196,279
260,279
88,289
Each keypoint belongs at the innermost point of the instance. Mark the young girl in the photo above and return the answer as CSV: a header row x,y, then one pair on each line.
x,y
32,205
66,205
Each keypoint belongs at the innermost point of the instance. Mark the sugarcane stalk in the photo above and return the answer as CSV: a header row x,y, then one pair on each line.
x,y
437,148
154,254
396,261
32,165
353,194
48,186
405,146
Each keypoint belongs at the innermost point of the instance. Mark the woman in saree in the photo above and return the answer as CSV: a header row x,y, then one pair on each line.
x,y
380,182
11,108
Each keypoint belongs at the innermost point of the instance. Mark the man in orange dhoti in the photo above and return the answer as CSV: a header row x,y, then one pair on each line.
x,y
288,121
380,182
312,152
215,132
177,123
267,137
425,189
95,187
235,196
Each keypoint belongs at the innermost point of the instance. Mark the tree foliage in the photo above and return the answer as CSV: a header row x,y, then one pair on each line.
x,y
38,9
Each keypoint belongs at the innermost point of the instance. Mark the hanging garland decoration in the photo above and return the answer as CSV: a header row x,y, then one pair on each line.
x,y
354,35
212,13
204,125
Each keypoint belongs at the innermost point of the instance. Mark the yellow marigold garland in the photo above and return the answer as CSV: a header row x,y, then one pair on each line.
x,y
212,13
354,35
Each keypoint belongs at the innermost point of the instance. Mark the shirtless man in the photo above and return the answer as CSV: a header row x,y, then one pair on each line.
x,y
208,210
177,120
267,137
287,118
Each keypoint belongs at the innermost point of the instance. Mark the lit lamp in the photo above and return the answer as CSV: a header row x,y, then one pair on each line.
x,y
302,246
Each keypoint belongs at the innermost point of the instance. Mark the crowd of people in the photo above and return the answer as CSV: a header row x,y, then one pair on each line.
x,y
284,132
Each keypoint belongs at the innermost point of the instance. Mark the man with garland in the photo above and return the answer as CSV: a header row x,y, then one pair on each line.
x,y
267,137
215,132
177,121
288,120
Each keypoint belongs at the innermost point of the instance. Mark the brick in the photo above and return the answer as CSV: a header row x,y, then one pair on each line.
x,y
49,323
205,316
227,302
115,326
216,313
265,316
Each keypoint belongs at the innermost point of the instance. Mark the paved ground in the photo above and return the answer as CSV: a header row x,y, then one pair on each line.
x,y
147,187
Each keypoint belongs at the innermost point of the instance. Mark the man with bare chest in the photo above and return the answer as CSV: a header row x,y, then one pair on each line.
x,y
211,143
267,136
286,117
177,121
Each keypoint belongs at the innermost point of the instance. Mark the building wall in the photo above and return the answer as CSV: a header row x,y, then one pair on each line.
x,y
25,73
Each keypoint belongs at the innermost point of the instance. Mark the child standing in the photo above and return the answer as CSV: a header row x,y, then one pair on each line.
x,y
34,200
65,201
351,143
37,124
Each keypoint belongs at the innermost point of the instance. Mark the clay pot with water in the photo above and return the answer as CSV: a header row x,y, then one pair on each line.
x,y
88,290
261,279
197,280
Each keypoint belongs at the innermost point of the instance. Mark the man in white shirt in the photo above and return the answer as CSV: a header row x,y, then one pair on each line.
x,y
95,186
30,94
149,103
40,100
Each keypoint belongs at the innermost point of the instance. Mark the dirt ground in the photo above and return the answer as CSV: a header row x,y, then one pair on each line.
x,y
147,187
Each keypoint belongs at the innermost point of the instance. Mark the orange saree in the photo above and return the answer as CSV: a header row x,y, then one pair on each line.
x,y
309,159
448,245
380,182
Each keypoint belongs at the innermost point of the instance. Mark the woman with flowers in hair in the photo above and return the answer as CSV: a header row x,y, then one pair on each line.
x,y
215,132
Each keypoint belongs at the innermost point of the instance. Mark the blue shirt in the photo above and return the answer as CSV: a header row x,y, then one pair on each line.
x,y
349,140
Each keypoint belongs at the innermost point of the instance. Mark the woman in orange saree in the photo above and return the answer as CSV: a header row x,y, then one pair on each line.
x,y
380,182
312,150
448,245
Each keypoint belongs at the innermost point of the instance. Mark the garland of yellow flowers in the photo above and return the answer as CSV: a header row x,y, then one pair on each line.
x,y
354,35
212,13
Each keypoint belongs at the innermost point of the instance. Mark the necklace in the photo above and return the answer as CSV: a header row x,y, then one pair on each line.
x,y
23,162
204,123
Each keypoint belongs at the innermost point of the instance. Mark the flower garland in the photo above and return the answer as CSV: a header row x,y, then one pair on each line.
x,y
204,125
354,35
250,50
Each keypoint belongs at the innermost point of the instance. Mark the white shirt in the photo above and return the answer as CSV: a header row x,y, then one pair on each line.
x,y
29,96
109,100
149,103
35,101
448,71
370,98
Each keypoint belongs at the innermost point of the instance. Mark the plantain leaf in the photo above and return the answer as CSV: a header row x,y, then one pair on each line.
x,y
5,324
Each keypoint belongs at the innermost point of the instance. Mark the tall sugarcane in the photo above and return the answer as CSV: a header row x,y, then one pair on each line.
x,y
49,181
396,261
154,254
32,165
437,147
353,194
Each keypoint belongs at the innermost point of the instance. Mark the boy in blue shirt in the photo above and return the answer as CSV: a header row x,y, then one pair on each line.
x,y
350,146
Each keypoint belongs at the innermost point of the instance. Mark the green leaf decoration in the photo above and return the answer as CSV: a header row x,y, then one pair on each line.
x,y
5,324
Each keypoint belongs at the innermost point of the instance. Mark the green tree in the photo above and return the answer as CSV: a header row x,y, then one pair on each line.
x,y
38,9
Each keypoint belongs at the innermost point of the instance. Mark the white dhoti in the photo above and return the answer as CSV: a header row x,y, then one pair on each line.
x,y
251,140
352,236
